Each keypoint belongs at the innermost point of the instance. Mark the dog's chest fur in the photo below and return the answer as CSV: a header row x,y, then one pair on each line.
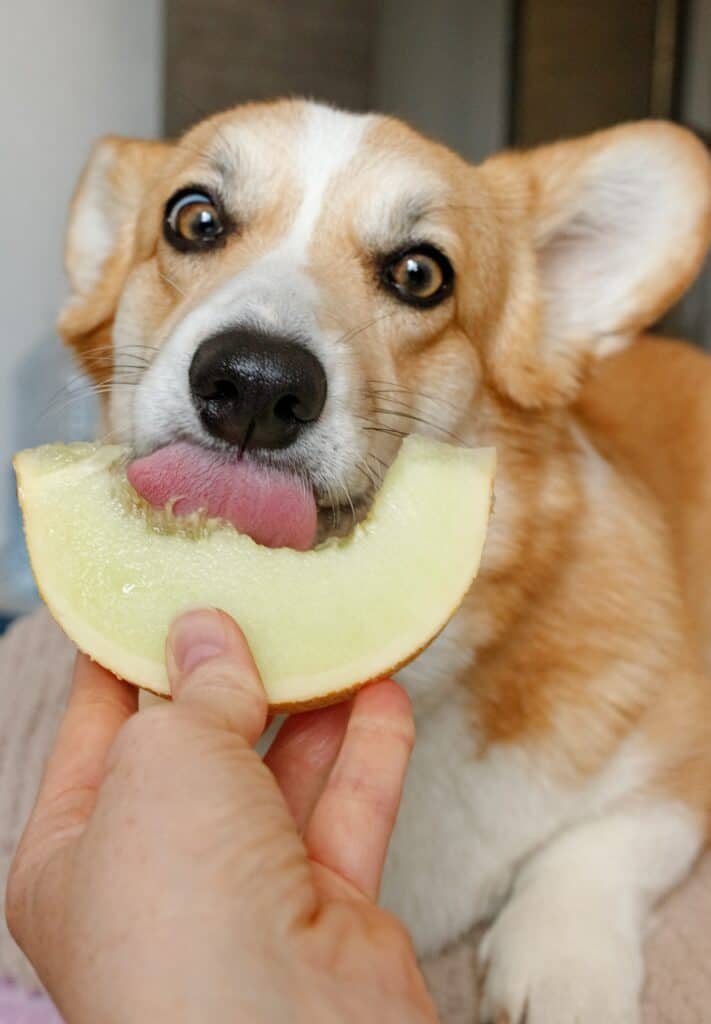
x,y
470,816
463,823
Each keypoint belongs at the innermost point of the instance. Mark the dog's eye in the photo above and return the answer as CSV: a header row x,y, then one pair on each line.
x,y
421,276
193,221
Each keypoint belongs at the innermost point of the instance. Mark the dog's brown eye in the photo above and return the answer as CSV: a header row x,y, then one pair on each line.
x,y
193,221
421,276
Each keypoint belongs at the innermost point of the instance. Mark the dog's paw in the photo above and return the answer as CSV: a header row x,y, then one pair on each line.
x,y
547,966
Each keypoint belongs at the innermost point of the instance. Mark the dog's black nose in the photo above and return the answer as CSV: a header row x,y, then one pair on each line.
x,y
256,390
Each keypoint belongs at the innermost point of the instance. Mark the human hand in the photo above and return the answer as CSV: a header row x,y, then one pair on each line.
x,y
169,874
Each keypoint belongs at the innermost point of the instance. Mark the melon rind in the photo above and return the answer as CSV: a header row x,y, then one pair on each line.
x,y
320,623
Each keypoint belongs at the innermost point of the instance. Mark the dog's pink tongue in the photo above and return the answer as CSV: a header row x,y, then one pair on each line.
x,y
273,508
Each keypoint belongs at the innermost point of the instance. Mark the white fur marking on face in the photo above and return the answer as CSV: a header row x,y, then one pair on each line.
x,y
329,142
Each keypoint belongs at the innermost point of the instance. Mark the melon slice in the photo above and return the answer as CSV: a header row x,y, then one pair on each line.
x,y
320,622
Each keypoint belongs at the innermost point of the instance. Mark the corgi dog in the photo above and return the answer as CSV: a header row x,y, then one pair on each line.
x,y
287,291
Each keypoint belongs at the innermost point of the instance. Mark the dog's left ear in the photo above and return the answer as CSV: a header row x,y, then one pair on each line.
x,y
619,224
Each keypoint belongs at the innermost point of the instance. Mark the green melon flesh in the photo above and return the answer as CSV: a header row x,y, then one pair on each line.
x,y
320,623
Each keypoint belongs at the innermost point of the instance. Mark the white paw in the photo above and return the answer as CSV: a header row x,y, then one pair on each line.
x,y
548,964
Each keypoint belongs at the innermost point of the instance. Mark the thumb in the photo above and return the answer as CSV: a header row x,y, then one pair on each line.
x,y
211,668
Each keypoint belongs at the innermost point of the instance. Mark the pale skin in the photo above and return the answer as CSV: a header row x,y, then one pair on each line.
x,y
168,874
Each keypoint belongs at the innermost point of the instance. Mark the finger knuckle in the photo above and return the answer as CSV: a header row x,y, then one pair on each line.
x,y
231,693
387,731
139,738
398,935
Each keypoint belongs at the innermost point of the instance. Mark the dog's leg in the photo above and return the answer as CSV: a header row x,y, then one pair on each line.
x,y
567,947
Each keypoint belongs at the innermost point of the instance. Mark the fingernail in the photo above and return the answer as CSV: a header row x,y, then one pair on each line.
x,y
196,637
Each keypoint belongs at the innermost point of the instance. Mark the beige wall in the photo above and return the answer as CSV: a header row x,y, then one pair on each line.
x,y
71,70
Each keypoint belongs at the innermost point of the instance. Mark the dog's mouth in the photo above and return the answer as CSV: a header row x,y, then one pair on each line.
x,y
339,518
276,508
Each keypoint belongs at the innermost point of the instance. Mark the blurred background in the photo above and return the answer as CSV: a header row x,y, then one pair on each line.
x,y
478,74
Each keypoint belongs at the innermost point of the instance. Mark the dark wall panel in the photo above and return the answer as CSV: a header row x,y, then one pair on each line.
x,y
222,52
581,66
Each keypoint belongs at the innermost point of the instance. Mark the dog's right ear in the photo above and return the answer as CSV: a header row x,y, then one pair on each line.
x,y
101,240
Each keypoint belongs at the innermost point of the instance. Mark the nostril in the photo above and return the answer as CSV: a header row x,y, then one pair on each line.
x,y
219,390
289,408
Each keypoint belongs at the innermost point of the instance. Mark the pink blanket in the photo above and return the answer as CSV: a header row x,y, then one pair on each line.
x,y
20,1007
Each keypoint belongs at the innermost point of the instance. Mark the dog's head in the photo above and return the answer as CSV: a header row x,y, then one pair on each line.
x,y
280,296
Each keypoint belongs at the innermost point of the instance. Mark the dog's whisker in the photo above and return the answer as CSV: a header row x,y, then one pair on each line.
x,y
385,465
113,347
349,335
110,436
81,383
347,493
79,380
391,431
416,394
400,398
109,355
419,419
367,472
336,509
379,473
81,396
331,505
126,365
172,284
331,316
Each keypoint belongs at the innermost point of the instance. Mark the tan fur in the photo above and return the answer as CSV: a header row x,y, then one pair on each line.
x,y
592,615
662,388
648,410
